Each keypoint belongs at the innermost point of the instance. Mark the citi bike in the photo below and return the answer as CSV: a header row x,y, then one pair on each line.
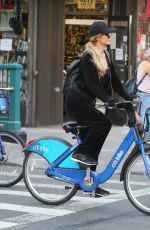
x,y
11,158
48,168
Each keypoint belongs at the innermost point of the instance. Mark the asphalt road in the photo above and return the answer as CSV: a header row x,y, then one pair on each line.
x,y
19,210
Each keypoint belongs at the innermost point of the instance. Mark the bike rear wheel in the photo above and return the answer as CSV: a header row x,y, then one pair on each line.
x,y
48,190
137,183
11,170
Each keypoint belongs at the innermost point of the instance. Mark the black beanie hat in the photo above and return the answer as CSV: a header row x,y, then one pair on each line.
x,y
100,27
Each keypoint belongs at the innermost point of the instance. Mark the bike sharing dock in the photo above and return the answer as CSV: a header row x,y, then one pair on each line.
x,y
10,80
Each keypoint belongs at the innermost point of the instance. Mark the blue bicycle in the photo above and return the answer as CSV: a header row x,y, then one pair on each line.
x,y
53,178
11,158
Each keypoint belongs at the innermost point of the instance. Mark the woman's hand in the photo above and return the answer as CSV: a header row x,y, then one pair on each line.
x,y
138,118
112,102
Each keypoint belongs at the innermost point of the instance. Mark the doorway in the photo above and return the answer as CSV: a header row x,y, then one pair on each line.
x,y
121,46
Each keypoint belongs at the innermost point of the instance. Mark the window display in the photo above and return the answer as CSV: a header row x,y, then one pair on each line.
x,y
75,38
79,16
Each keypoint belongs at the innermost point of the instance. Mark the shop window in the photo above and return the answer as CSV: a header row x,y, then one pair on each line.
x,y
7,4
87,6
79,16
13,38
14,29
75,38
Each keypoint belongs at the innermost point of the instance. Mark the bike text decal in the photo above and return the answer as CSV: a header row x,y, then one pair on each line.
x,y
40,148
117,158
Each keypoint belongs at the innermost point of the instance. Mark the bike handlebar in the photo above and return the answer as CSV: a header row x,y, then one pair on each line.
x,y
120,105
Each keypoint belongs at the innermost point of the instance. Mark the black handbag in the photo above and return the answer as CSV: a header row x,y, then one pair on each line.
x,y
116,115
131,86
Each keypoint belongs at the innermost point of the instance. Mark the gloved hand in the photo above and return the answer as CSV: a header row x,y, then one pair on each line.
x,y
111,102
136,100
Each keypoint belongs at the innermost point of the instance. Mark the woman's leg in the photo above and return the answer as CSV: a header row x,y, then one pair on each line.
x,y
100,126
145,103
93,137
96,136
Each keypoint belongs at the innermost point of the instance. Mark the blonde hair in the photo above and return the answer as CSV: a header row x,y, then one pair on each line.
x,y
93,50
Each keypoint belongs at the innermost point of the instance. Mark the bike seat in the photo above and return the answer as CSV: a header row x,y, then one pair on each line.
x,y
73,126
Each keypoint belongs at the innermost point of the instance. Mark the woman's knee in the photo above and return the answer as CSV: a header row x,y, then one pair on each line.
x,y
104,125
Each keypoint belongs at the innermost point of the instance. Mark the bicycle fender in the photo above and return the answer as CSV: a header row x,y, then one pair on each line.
x,y
134,151
51,148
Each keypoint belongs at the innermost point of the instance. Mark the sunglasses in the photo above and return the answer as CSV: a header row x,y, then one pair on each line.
x,y
107,35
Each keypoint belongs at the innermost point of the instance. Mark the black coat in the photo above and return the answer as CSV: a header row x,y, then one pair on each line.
x,y
99,87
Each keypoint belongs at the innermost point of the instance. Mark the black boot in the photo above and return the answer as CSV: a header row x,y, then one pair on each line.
x,y
99,192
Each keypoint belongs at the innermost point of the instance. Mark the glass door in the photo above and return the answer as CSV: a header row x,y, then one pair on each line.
x,y
121,45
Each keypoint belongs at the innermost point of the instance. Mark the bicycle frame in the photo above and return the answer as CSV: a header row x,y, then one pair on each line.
x,y
73,174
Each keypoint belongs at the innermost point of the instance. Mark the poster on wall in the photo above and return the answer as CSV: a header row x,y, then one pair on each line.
x,y
6,44
119,54
86,4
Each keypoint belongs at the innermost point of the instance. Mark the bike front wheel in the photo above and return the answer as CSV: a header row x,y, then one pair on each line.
x,y
137,183
11,170
46,189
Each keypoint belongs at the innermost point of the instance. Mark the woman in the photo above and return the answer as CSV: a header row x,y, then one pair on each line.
x,y
97,79
144,87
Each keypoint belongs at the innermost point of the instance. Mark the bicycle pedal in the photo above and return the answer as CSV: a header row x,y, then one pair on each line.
x,y
87,193
4,159
92,194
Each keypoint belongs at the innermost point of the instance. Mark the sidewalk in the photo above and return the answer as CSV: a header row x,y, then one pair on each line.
x,y
111,144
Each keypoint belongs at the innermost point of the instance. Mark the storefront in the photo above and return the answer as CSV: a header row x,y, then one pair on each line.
x,y
13,42
35,30
123,15
79,16
53,33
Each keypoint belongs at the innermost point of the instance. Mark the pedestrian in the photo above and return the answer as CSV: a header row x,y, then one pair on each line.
x,y
144,87
98,77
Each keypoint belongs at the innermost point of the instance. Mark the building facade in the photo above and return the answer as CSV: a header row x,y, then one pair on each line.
x,y
55,32
60,33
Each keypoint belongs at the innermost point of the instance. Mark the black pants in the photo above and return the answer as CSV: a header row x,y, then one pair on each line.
x,y
100,124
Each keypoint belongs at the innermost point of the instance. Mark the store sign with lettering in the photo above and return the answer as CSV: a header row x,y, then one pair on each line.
x,y
86,4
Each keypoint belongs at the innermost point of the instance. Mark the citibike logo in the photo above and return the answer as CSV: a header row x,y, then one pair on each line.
x,y
117,158
40,148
